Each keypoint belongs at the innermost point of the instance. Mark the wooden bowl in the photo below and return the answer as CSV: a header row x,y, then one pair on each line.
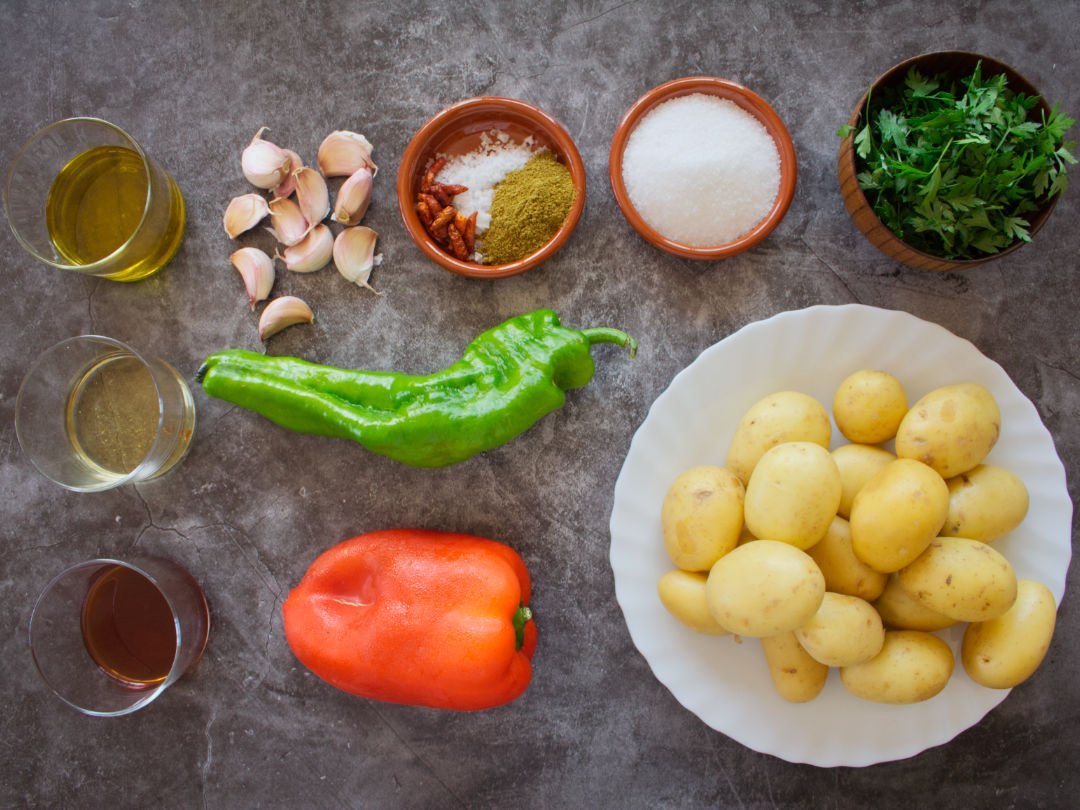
x,y
959,63
457,131
747,100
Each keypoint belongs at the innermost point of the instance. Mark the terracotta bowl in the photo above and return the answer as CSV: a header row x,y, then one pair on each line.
x,y
456,131
960,63
747,100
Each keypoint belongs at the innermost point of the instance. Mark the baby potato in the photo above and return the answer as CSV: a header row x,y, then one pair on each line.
x,y
845,631
951,429
796,676
858,463
683,594
868,406
843,571
764,588
897,513
793,494
899,611
786,416
702,516
911,667
964,579
1004,652
985,503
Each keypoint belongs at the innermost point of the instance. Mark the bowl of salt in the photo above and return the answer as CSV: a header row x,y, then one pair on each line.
x,y
702,168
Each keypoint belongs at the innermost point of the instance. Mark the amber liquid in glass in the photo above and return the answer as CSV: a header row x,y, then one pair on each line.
x,y
128,628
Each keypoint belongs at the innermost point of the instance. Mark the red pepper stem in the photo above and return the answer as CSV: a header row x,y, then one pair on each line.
x,y
604,334
522,616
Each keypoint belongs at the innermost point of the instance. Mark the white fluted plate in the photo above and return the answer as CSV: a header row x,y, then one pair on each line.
x,y
726,683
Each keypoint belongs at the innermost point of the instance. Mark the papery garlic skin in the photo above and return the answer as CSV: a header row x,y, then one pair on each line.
x,y
343,153
312,195
354,197
288,186
257,270
288,224
265,164
312,253
244,213
354,255
281,313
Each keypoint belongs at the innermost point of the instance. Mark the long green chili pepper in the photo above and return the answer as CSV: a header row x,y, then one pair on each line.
x,y
508,379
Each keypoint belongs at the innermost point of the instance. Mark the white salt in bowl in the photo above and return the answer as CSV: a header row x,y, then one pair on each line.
x,y
747,100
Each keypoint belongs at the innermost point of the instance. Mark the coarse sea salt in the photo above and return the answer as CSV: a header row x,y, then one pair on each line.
x,y
701,170
482,169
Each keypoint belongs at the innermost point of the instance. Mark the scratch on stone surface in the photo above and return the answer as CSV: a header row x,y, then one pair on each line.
x,y
831,269
419,758
94,284
727,776
584,118
273,587
1064,371
604,13
209,750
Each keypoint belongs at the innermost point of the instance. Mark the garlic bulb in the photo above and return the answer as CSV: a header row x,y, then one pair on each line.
x,y
354,255
353,197
257,270
342,153
311,253
287,221
288,186
281,313
312,195
243,213
265,164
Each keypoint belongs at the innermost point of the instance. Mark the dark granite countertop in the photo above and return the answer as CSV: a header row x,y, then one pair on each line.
x,y
252,505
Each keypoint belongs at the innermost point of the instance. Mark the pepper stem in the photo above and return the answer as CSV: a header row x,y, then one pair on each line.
x,y
605,334
522,616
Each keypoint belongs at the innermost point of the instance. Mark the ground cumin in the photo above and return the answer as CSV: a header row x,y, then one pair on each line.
x,y
529,206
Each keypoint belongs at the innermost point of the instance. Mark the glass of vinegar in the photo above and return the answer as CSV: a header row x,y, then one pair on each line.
x,y
82,195
93,414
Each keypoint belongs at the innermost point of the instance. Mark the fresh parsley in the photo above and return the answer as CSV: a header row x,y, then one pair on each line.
x,y
953,167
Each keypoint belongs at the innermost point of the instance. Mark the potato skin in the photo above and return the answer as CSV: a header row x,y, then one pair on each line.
x,y
896,515
868,406
985,503
845,631
683,594
857,463
951,429
764,588
786,416
702,516
793,494
900,611
1004,652
797,677
911,667
843,571
964,579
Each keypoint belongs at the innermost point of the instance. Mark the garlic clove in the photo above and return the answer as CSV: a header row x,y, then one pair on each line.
x,y
342,153
287,221
243,213
311,253
281,313
354,255
257,270
312,195
353,197
265,164
288,185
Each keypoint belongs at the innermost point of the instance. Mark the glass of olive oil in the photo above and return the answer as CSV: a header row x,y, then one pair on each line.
x,y
109,636
93,414
82,195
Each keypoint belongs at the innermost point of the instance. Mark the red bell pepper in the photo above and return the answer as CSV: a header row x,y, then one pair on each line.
x,y
419,617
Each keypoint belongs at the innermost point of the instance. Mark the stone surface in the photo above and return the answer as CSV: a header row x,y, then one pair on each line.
x,y
253,505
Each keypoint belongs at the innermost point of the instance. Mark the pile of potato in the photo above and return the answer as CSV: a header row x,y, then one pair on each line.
x,y
853,558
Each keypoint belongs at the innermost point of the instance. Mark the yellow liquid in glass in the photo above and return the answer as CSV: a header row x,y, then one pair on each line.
x,y
97,202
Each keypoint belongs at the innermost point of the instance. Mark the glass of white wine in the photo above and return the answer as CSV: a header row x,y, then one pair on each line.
x,y
93,414
82,195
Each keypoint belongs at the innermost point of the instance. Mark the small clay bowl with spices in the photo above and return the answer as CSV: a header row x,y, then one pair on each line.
x,y
459,130
749,102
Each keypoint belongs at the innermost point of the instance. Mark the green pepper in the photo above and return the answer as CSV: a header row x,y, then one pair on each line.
x,y
508,379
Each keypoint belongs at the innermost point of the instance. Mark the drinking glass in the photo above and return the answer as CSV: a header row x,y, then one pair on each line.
x,y
82,195
109,636
93,414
